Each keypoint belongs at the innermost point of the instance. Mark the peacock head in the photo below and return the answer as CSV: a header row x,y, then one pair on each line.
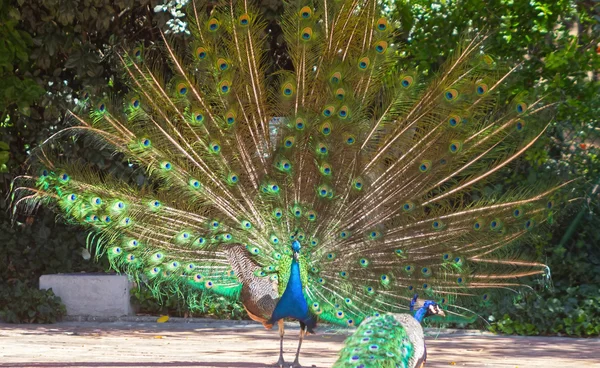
x,y
296,248
433,309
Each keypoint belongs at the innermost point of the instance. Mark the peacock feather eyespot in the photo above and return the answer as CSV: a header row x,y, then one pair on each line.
x,y
340,93
369,290
306,34
194,183
478,225
381,46
321,280
446,256
232,178
330,256
453,120
222,64
254,251
518,212
273,188
314,270
325,169
182,89
215,147
520,126
96,201
425,166
326,128
451,94
495,224
155,204
198,277
344,234
230,117
458,261
305,12
199,242
357,184
339,314
300,123
165,165
382,24
117,250
198,118
213,24
227,237
287,89
411,288
130,257
459,280
201,53
485,297
343,113
481,88
146,142
314,242
101,107
399,253
350,322
208,284
311,215
134,103
384,279
425,286
406,81
72,197
529,224
363,262
426,271
321,149
224,87
550,205
244,20
521,107
274,239
455,146
348,301
277,213
408,206
335,78
328,111
191,266
408,269
289,142
343,274
364,63
350,139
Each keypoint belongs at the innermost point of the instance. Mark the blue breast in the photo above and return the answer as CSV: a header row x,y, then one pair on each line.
x,y
292,303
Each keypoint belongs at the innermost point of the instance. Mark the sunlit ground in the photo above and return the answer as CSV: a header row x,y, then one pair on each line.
x,y
228,344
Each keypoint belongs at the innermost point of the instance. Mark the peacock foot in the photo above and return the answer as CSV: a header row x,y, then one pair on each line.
x,y
280,363
296,364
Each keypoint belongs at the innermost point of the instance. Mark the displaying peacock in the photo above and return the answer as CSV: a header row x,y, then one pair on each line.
x,y
329,192
389,340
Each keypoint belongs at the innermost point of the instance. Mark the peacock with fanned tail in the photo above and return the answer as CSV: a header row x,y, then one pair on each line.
x,y
329,192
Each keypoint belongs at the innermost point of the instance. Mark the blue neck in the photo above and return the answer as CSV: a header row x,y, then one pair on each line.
x,y
420,314
292,303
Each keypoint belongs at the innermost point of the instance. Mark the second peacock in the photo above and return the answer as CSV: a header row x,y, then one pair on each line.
x,y
367,190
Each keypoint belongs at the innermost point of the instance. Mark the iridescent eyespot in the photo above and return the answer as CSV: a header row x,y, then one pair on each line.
x,y
382,24
215,147
182,89
201,53
453,120
213,24
224,87
166,165
305,12
307,33
406,81
364,63
521,107
425,166
363,262
135,103
455,146
222,64
335,77
244,19
300,123
343,113
380,47
520,125
72,197
451,94
481,89
408,206
287,89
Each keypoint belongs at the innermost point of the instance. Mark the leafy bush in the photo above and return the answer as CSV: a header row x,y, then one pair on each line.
x,y
20,303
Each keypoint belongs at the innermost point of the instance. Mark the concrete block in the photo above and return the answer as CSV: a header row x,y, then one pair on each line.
x,y
83,294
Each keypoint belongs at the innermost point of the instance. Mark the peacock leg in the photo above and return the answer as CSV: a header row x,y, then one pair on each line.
x,y
280,362
303,328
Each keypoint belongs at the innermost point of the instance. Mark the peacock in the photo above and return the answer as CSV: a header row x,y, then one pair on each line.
x,y
329,191
389,340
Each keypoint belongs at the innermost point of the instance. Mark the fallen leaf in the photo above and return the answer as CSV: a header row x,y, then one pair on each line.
x,y
162,319
158,337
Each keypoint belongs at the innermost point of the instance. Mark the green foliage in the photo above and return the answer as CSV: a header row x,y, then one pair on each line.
x,y
20,303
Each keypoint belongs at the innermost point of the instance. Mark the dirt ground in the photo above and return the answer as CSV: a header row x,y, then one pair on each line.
x,y
231,344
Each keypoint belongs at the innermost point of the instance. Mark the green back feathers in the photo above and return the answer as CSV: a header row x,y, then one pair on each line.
x,y
379,342
379,173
